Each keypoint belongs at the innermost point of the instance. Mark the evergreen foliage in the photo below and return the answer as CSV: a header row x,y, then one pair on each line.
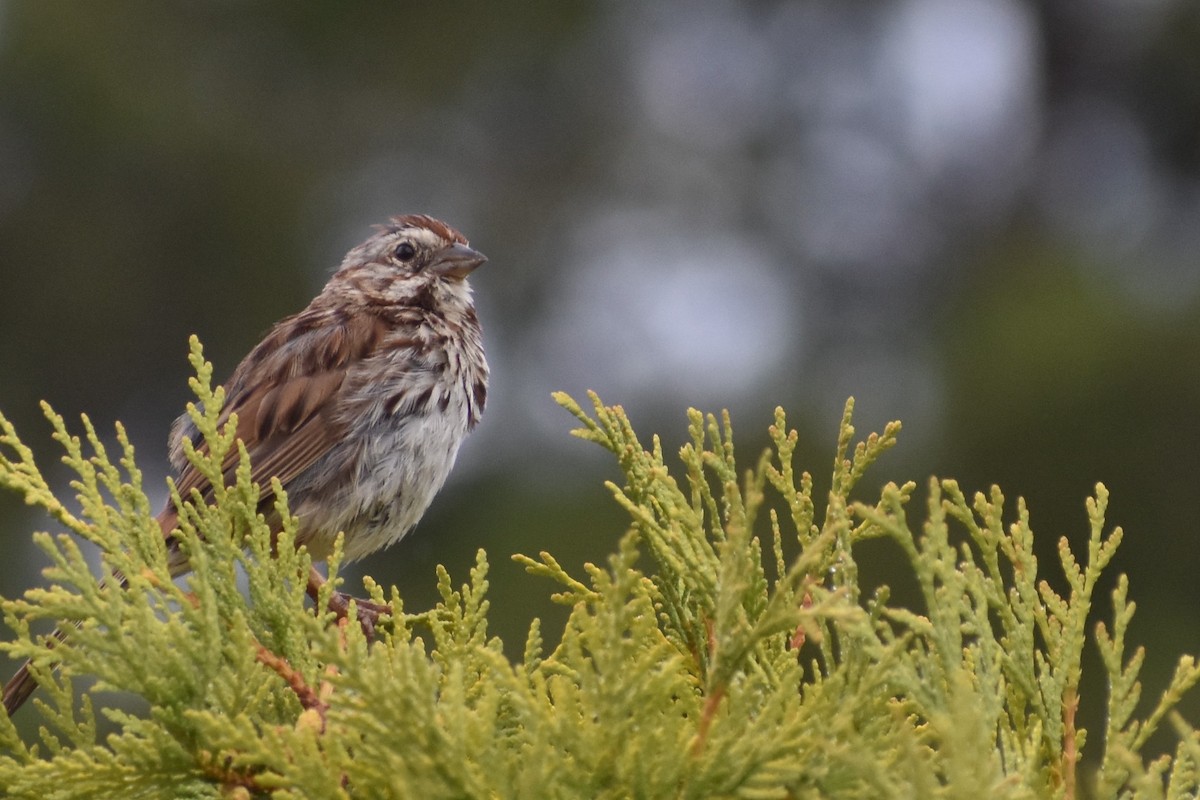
x,y
713,668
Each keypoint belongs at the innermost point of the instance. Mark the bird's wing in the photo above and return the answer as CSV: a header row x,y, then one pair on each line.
x,y
283,393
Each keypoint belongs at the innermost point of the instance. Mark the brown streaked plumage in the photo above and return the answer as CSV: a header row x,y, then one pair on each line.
x,y
358,403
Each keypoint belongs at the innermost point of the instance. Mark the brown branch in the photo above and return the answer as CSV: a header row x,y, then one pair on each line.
x,y
713,701
309,699
711,704
235,784
799,637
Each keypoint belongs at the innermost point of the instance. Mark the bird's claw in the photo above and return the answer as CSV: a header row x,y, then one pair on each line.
x,y
368,612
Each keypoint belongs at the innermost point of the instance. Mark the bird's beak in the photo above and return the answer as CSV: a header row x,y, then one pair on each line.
x,y
457,261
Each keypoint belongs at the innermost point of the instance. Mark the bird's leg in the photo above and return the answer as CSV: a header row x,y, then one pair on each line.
x,y
368,612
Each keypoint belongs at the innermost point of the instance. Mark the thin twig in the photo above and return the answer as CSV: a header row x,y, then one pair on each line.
x,y
309,699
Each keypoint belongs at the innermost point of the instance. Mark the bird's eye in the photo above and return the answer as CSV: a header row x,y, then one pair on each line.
x,y
405,251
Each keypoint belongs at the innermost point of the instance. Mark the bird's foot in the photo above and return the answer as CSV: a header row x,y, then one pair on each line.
x,y
368,612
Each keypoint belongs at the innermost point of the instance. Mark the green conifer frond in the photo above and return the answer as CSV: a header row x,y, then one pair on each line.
x,y
727,649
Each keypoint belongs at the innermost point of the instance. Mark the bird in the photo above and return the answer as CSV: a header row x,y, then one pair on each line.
x,y
357,404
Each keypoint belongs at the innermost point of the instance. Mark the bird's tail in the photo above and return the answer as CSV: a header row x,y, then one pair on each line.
x,y
22,684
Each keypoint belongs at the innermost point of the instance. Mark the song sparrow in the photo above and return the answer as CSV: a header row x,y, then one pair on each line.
x,y
357,404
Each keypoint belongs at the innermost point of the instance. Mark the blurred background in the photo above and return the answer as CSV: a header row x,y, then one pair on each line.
x,y
981,217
